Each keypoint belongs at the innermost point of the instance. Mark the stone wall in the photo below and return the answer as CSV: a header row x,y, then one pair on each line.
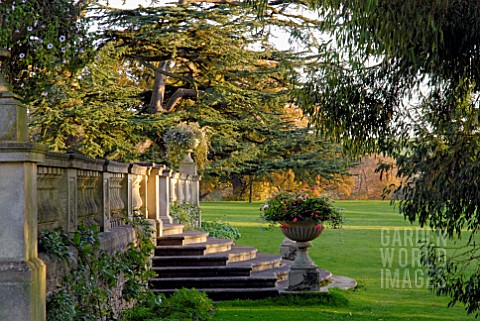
x,y
74,190
113,241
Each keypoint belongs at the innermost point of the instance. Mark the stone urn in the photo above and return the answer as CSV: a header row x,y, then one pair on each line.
x,y
302,231
303,274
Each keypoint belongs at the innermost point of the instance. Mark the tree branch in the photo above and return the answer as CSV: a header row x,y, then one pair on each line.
x,y
179,94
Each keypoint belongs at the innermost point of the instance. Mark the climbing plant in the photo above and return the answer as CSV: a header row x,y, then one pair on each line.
x,y
91,272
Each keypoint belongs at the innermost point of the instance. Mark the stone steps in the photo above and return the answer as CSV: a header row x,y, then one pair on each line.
x,y
172,229
250,281
223,294
210,246
236,254
224,271
187,237
262,261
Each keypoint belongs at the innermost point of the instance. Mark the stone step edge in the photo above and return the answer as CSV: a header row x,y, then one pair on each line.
x,y
238,250
172,229
185,238
255,265
211,242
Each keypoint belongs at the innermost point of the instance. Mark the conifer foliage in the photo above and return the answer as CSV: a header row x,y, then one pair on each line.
x,y
109,82
215,64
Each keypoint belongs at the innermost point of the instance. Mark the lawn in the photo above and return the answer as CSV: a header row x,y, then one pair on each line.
x,y
377,247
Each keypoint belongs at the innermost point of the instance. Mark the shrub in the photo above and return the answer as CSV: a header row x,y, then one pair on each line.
x,y
189,215
221,230
186,214
91,273
182,305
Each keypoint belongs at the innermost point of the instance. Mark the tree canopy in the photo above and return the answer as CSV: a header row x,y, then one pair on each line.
x,y
113,90
46,39
213,64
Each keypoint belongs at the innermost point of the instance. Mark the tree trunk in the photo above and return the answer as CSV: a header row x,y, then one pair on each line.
x,y
250,186
158,92
239,185
179,94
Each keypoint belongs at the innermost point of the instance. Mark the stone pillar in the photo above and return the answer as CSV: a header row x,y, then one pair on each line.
x,y
164,195
153,199
22,273
144,192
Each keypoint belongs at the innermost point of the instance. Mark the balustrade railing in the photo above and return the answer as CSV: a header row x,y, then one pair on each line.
x,y
73,190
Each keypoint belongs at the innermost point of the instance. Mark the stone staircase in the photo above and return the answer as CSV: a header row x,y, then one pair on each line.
x,y
191,259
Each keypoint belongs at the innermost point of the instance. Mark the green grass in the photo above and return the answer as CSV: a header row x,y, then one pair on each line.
x,y
373,226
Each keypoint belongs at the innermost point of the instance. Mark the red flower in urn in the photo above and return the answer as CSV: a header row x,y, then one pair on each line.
x,y
300,206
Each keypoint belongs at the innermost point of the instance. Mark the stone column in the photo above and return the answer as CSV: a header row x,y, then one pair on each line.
x,y
153,199
164,195
22,273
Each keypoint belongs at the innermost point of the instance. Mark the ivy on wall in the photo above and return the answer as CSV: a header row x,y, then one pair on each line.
x,y
92,274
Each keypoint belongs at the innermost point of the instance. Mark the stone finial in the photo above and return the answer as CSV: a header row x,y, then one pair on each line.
x,y
13,116
187,165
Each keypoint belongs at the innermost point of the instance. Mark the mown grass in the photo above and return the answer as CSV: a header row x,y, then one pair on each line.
x,y
373,227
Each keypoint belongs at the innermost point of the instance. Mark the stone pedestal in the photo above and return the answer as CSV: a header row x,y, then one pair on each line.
x,y
303,274
23,290
288,249
22,273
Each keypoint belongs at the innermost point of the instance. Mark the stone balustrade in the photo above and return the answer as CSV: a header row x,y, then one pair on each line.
x,y
73,189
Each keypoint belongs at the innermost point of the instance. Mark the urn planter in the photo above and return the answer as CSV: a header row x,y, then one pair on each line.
x,y
303,274
302,231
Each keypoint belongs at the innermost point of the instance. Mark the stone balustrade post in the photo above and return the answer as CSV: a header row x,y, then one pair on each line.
x,y
174,183
181,187
153,199
144,192
119,192
195,183
104,195
188,189
164,195
22,273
